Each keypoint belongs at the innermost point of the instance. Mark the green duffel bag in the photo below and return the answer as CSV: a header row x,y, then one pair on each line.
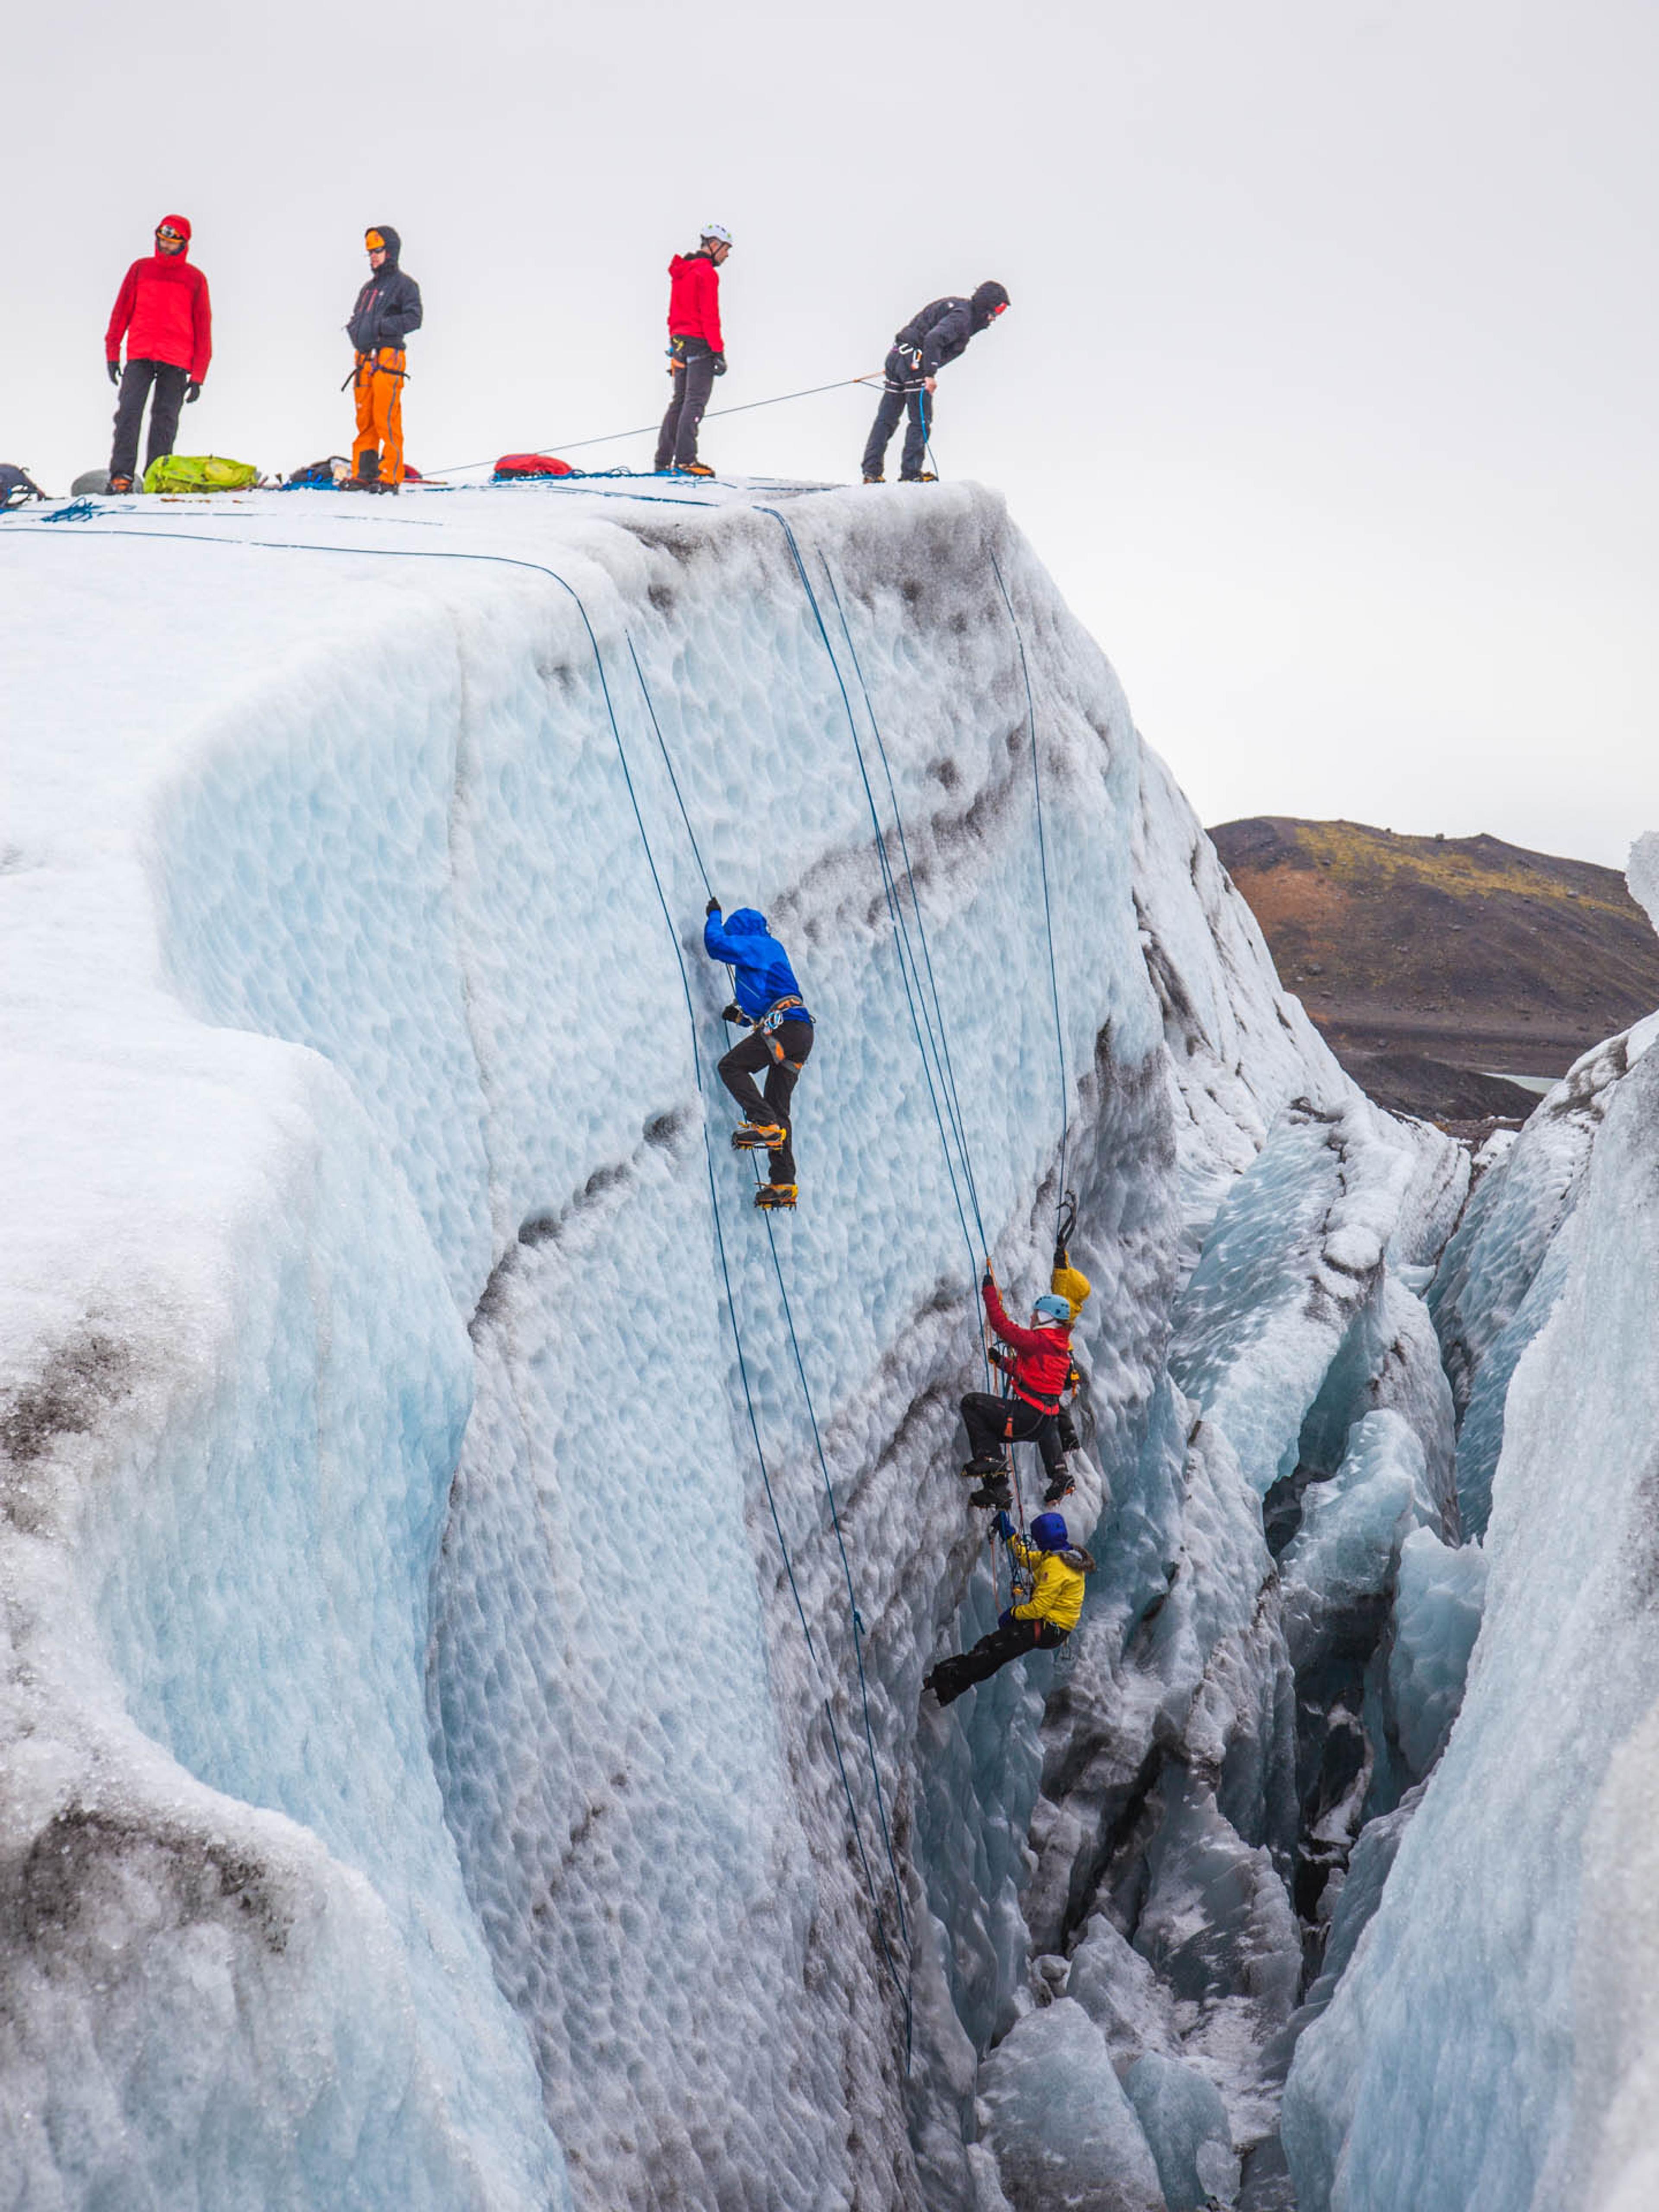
x,y
199,472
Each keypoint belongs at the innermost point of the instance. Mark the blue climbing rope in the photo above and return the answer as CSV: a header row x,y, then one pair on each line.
x,y
1047,911
942,1042
508,561
894,907
794,1345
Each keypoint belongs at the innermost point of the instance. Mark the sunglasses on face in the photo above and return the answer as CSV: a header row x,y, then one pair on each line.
x,y
176,236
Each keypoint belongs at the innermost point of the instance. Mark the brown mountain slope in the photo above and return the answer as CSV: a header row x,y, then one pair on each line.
x,y
1461,950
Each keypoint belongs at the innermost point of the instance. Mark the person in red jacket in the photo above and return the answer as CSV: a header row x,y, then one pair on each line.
x,y
163,313
696,351
1037,1375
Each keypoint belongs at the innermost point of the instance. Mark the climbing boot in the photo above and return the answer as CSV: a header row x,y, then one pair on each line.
x,y
875,479
119,484
694,469
927,477
757,1137
985,1463
995,1490
1060,1484
366,474
776,1197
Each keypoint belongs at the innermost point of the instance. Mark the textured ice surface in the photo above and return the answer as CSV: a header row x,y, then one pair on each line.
x,y
420,1787
1438,1598
1342,1559
1490,2044
1065,2135
1498,1282
1185,2121
1294,1267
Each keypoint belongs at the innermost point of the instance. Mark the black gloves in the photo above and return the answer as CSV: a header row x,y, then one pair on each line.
x,y
713,907
719,364
1061,1260
734,1013
114,372
987,1281
192,392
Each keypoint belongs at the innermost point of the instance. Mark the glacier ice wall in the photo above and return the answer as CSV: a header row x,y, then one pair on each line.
x,y
1490,2044
437,1768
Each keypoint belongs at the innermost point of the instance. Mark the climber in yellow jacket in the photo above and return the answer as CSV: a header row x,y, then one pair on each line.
x,y
1041,1622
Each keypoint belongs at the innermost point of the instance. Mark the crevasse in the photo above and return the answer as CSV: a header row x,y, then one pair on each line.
x,y
436,1772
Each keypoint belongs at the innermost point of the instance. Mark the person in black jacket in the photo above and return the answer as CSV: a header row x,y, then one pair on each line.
x,y
940,333
388,308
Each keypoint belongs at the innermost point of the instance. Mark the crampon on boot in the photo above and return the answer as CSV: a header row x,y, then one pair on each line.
x,y
1060,1485
983,1464
757,1137
776,1197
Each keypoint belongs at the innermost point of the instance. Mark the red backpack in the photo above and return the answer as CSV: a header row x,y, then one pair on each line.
x,y
530,464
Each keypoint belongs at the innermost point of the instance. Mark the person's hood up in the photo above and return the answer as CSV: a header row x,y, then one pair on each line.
x,y
181,224
394,245
745,922
986,297
1078,1558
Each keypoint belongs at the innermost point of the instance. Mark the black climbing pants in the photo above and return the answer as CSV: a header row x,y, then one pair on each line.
x,y
952,1676
745,1061
677,441
990,1423
137,378
902,390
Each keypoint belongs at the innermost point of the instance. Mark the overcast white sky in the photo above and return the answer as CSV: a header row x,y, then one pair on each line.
x,y
1328,391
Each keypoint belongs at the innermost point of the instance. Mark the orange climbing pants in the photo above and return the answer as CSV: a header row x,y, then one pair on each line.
x,y
379,386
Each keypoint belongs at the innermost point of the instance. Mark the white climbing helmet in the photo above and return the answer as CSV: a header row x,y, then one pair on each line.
x,y
718,232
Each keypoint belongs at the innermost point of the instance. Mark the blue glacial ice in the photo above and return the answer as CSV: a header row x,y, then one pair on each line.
x,y
463,1735
1490,2044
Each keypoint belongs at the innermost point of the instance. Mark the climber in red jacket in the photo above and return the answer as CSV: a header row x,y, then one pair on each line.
x,y
696,351
163,313
1038,1374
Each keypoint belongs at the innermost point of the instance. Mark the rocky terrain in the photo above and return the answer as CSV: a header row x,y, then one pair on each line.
x,y
1436,967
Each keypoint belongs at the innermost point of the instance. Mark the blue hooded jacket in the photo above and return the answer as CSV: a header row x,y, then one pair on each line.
x,y
760,962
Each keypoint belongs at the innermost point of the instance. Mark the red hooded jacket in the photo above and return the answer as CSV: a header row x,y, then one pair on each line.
x,y
162,310
693,300
1043,1355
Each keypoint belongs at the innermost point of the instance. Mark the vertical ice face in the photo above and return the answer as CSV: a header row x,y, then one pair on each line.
x,y
438,1633
1489,2042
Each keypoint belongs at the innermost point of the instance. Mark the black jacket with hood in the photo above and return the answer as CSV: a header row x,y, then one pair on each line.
x,y
941,331
389,305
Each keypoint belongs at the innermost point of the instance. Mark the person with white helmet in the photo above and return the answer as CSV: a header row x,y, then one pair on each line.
x,y
696,351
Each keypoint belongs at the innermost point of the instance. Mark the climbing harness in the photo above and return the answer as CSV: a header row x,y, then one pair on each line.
x,y
508,561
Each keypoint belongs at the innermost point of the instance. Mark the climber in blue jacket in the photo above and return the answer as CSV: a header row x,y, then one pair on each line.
x,y
769,1005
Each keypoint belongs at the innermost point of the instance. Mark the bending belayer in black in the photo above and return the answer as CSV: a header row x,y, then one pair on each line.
x,y
937,335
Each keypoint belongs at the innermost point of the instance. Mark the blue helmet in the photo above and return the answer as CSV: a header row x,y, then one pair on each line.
x,y
1048,1532
1051,1308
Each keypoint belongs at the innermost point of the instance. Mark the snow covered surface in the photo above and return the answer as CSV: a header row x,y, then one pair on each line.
x,y
435,1766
